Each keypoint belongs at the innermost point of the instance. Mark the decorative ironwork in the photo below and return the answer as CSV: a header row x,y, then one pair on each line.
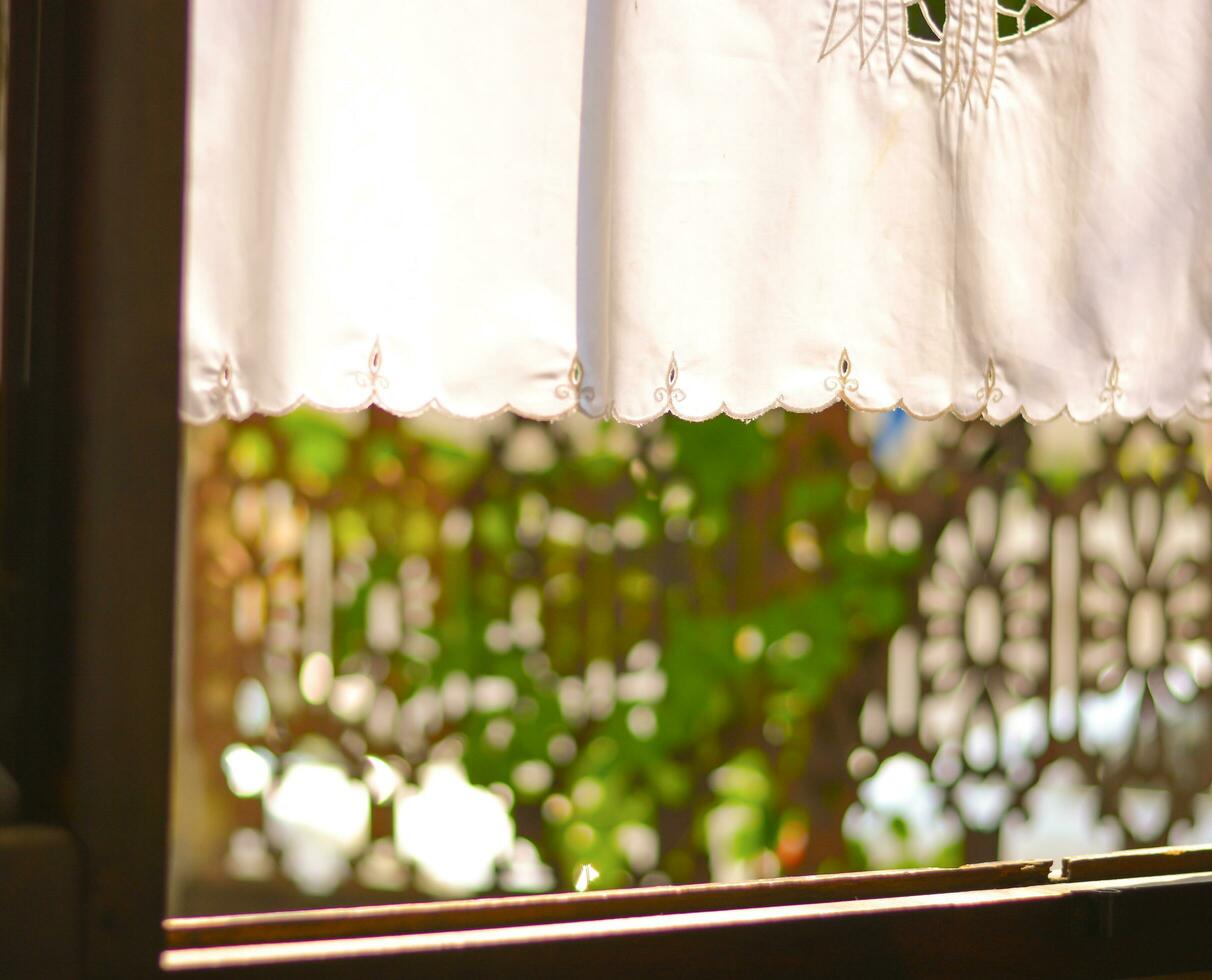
x,y
1059,651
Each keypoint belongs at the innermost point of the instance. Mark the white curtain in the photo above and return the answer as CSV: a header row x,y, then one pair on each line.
x,y
700,206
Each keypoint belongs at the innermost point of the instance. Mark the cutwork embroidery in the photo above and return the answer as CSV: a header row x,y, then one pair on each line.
x,y
572,388
927,19
1111,390
841,382
989,393
966,34
670,393
372,378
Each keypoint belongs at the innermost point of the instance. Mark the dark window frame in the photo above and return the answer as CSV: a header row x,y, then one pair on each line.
x,y
90,464
92,256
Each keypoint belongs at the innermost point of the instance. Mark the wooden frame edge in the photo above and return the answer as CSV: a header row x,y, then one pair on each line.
x,y
483,913
1129,927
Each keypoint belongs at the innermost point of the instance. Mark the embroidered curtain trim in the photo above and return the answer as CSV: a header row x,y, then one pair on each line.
x,y
984,207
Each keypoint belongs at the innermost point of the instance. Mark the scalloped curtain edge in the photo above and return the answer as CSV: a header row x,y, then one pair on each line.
x,y
612,415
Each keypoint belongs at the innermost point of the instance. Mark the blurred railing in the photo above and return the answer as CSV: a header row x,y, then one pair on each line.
x,y
431,658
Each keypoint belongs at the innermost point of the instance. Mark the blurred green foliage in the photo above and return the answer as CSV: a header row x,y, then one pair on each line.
x,y
670,605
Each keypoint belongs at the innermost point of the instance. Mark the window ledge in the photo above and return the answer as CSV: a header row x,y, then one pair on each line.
x,y
1115,915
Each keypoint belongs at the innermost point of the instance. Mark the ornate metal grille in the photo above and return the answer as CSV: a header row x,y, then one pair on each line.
x,y
1059,640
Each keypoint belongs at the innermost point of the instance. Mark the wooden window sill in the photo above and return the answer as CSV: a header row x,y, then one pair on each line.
x,y
1131,914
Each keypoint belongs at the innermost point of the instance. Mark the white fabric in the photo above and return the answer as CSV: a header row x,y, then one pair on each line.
x,y
700,206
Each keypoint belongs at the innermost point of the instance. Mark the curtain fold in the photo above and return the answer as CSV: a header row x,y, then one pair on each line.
x,y
986,207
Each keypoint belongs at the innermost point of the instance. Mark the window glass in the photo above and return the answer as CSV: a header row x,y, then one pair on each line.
x,y
432,658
